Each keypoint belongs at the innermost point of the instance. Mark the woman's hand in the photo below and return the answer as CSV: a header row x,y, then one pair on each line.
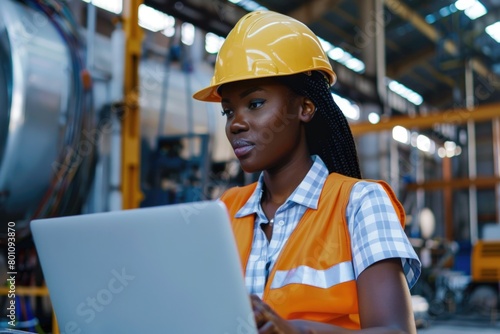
x,y
268,322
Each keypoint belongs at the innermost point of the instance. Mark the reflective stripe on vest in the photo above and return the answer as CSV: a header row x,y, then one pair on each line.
x,y
324,279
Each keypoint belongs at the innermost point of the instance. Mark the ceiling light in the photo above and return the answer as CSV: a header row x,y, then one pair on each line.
x,y
472,8
114,6
249,5
415,98
494,31
464,4
476,11
154,20
373,118
213,42
430,19
400,134
336,53
423,143
445,11
169,31
325,45
405,92
450,146
349,109
442,152
343,57
355,64
188,31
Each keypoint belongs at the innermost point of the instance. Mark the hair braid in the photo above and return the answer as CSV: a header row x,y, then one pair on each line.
x,y
328,133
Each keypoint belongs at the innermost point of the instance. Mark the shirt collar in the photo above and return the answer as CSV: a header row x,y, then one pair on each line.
x,y
306,194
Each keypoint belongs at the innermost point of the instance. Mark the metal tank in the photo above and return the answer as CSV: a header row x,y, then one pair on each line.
x,y
35,81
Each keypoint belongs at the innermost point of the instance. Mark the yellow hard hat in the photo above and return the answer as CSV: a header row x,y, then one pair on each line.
x,y
266,44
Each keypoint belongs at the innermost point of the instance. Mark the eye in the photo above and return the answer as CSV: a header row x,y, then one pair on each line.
x,y
256,104
226,112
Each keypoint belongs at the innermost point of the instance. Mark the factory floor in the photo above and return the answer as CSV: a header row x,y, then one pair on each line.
x,y
461,324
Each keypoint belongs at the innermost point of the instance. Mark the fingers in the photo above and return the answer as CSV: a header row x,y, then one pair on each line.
x,y
268,322
257,302
270,328
261,314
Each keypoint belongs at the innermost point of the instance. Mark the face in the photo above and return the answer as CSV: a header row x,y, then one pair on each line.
x,y
265,123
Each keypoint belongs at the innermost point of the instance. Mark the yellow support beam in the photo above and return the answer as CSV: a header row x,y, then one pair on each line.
x,y
130,177
454,116
479,182
26,291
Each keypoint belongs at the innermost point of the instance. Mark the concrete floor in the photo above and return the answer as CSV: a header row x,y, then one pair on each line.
x,y
461,325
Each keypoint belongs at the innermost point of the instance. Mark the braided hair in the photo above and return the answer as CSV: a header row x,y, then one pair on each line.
x,y
328,133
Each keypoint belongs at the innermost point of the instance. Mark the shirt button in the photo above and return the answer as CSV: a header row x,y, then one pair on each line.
x,y
281,223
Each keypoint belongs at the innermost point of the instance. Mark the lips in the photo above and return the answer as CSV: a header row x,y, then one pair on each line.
x,y
242,147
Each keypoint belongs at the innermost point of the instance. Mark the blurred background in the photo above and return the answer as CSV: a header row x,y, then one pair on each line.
x,y
96,115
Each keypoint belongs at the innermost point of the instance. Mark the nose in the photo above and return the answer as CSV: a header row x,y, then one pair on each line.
x,y
238,123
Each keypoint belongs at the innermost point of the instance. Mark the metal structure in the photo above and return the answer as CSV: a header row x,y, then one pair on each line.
x,y
131,121
36,118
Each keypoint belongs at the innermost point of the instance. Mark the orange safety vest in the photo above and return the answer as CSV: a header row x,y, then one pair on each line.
x,y
313,277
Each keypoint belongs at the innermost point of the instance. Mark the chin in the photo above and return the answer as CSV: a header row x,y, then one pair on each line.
x,y
249,168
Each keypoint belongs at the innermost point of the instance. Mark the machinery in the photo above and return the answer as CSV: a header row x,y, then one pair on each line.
x,y
486,261
173,178
450,287
484,290
46,108
45,105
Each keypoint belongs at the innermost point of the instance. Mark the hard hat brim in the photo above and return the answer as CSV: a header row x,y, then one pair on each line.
x,y
211,94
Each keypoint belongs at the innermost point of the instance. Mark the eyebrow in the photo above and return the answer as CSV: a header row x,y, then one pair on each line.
x,y
246,92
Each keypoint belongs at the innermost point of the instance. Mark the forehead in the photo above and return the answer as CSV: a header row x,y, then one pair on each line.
x,y
264,84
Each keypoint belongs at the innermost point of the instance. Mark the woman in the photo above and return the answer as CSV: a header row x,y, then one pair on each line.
x,y
322,250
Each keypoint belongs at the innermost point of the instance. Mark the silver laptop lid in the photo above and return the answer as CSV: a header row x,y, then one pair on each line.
x,y
169,269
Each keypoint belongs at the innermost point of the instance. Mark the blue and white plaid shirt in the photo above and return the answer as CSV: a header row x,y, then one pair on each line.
x,y
375,230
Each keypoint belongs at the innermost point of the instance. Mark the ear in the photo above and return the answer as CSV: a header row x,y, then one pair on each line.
x,y
307,111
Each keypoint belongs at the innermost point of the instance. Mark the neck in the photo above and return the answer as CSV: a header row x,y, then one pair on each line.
x,y
280,184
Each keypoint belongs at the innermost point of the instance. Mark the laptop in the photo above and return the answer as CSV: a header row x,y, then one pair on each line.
x,y
166,269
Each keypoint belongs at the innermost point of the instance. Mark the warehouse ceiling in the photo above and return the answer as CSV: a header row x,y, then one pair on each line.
x,y
428,44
